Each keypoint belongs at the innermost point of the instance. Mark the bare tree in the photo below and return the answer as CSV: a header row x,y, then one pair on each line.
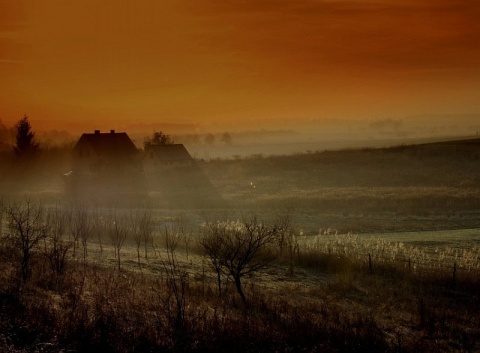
x,y
239,248
146,226
171,239
286,238
74,231
174,298
99,228
57,247
211,243
27,227
180,228
87,226
82,228
134,220
117,231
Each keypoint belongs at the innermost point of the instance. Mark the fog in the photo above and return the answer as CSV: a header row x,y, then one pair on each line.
x,y
102,236
304,135
239,176
338,168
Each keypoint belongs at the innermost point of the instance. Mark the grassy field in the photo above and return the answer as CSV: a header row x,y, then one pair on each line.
x,y
420,187
376,250
332,292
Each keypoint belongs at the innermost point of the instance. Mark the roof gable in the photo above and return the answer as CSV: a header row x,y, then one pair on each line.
x,y
108,143
172,152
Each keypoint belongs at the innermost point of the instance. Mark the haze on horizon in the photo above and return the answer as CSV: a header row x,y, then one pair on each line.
x,y
210,64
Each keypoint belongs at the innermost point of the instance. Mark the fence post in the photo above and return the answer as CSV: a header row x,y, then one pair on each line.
x,y
370,263
454,273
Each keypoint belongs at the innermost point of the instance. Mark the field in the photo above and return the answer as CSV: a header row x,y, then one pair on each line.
x,y
374,250
418,187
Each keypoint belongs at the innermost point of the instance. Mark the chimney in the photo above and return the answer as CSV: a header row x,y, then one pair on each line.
x,y
112,131
97,132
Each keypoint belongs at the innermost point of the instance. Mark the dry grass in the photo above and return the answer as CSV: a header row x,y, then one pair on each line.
x,y
328,301
324,293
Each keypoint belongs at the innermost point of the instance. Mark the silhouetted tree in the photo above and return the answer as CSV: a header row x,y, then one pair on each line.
x,y
141,229
209,139
117,230
226,138
27,226
25,145
158,138
147,226
212,243
58,247
239,249
286,237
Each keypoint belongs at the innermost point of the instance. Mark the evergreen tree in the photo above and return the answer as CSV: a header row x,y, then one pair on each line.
x,y
25,144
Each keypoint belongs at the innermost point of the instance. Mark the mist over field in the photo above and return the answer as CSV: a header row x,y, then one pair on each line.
x,y
299,135
310,135
240,176
98,230
352,176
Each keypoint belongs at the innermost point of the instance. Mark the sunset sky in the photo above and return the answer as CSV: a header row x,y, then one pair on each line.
x,y
223,63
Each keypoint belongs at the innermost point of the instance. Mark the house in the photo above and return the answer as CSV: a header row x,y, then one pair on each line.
x,y
105,154
159,156
175,180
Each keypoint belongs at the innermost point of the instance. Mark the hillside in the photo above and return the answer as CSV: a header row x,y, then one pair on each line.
x,y
416,180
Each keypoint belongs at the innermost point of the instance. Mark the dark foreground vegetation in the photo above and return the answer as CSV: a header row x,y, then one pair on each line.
x,y
83,272
112,280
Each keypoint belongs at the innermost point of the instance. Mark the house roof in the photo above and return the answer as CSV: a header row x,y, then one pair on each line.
x,y
170,153
112,143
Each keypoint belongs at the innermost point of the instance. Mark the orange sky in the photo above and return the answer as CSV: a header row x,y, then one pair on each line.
x,y
109,63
